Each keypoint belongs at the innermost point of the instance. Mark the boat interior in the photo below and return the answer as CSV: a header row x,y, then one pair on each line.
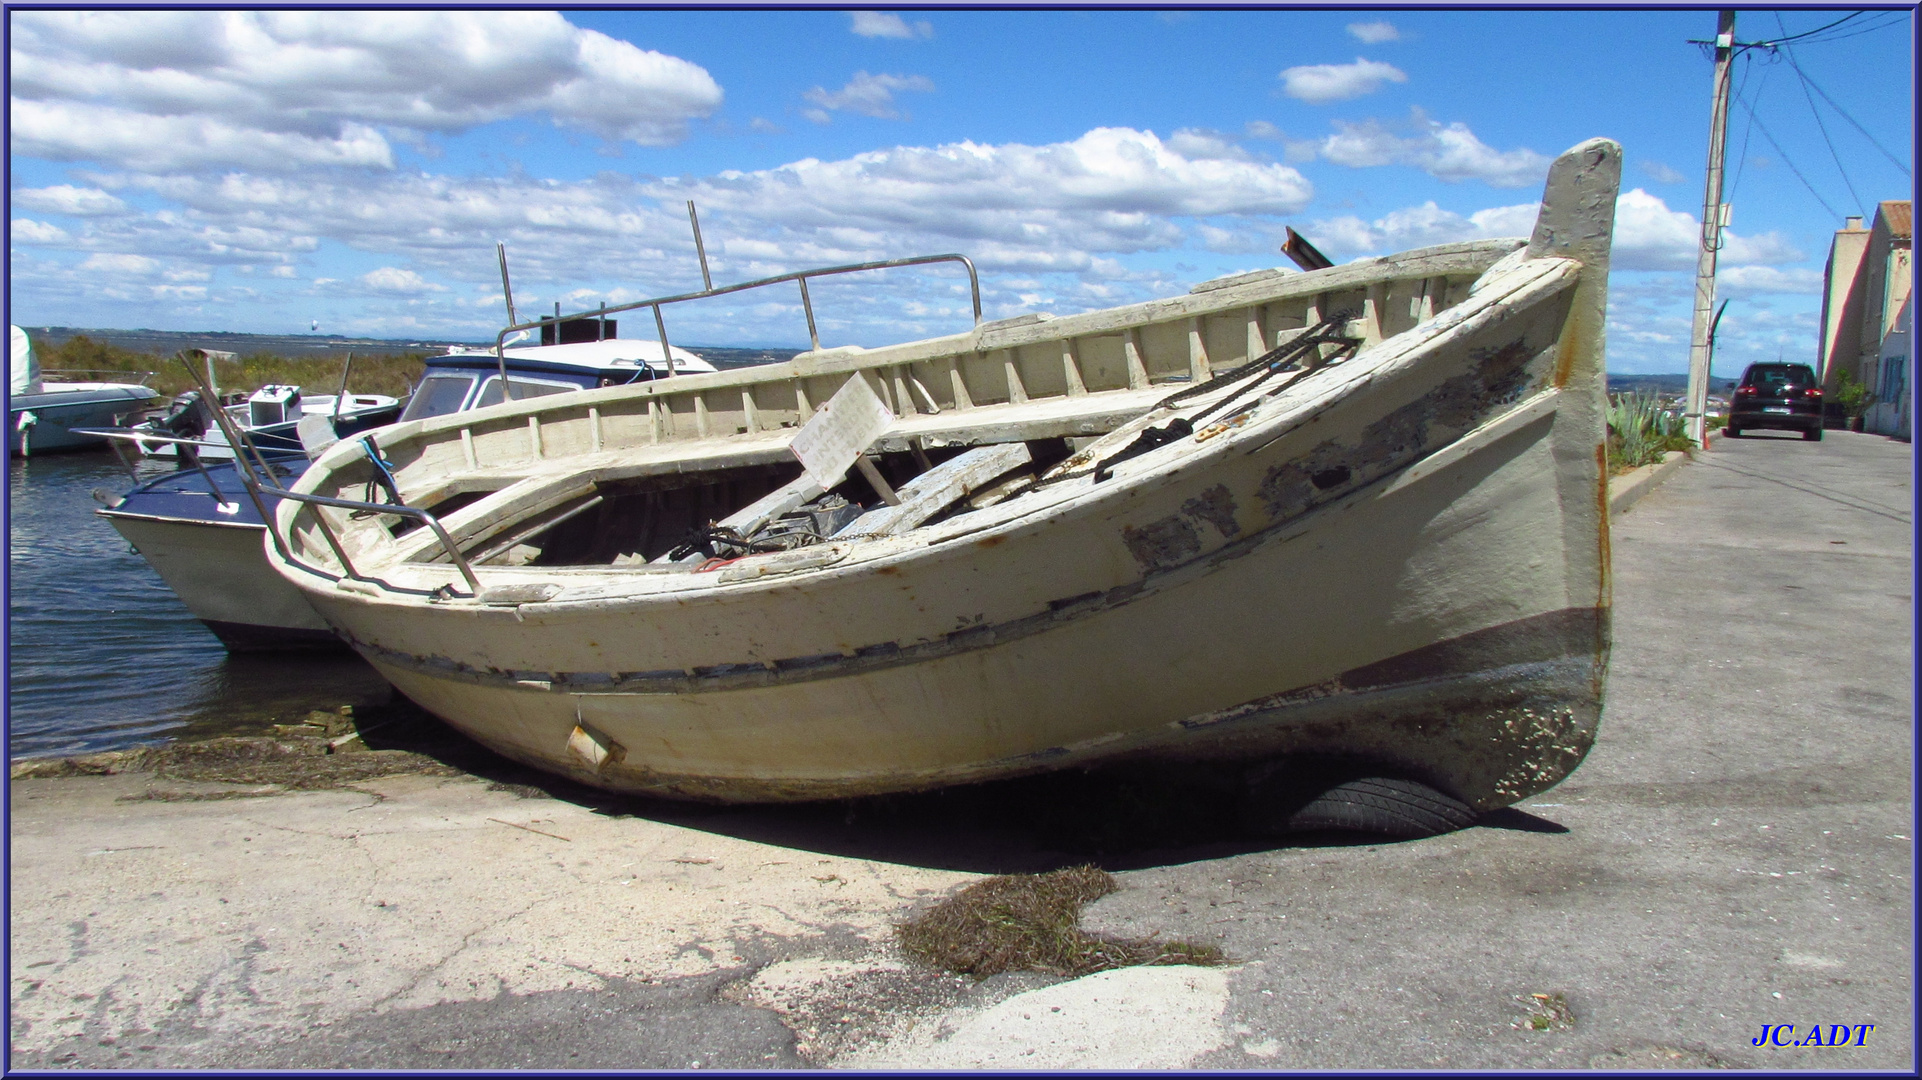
x,y
675,473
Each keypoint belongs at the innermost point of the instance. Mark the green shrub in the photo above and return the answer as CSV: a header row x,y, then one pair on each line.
x,y
1852,395
1640,432
82,358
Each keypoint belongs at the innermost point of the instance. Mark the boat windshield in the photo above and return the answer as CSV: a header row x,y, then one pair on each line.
x,y
523,388
438,395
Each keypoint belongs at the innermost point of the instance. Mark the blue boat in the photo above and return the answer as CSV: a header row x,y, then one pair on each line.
x,y
203,532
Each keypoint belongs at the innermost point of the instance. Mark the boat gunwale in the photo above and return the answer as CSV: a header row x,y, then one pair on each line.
x,y
1528,283
983,339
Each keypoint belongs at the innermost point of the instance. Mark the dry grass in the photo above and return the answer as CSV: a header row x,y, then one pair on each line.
x,y
297,763
1030,922
374,373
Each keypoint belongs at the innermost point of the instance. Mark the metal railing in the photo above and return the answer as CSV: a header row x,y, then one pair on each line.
x,y
426,519
258,490
660,324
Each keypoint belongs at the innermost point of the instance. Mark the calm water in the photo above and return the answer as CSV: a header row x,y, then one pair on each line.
x,y
102,655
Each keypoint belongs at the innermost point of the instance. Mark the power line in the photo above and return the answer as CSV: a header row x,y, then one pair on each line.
x,y
1741,158
1867,28
1811,33
1819,125
1786,160
1811,84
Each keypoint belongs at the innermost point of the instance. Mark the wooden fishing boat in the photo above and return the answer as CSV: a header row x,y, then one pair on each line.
x,y
1354,512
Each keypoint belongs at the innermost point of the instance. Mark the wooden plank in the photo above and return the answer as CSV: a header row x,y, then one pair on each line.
x,y
961,399
1071,369
938,488
1131,351
1198,371
751,518
1017,393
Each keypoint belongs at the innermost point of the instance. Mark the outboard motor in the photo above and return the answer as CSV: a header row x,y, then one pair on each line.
x,y
185,419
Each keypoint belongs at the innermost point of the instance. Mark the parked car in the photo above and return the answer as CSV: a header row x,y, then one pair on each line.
x,y
1782,396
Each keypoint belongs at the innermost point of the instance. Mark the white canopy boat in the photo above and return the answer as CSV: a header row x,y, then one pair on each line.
x,y
43,414
1356,512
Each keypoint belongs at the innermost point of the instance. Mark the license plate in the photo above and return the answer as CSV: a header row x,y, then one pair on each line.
x,y
1776,409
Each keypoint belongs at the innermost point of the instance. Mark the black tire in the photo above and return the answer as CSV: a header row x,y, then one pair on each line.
x,y
1402,809
1732,431
1812,435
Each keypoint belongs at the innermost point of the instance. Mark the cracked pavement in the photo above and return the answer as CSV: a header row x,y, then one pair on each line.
x,y
1737,851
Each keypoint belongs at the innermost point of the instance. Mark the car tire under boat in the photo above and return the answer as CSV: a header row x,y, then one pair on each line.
x,y
1328,797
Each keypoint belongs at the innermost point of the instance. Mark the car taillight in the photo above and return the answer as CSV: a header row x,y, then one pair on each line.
x,y
1813,391
1749,390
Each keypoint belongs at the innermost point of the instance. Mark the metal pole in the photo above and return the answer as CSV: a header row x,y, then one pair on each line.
x,y
1695,414
342,396
667,350
507,290
814,336
700,249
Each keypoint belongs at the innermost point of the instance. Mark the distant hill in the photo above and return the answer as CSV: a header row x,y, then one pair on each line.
x,y
165,343
1664,384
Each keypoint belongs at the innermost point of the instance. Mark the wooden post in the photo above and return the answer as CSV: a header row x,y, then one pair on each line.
x,y
1137,366
1694,415
1197,352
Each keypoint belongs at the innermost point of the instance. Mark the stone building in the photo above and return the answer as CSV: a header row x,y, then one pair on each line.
x,y
1865,314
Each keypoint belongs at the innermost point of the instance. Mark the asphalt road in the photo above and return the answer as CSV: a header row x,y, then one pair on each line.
x,y
1735,854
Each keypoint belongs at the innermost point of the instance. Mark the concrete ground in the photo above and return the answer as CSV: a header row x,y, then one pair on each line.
x,y
1736,853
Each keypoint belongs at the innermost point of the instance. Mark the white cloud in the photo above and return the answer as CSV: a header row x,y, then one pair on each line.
x,y
287,89
1742,281
1109,190
1418,226
67,199
1374,33
1659,172
395,280
1319,84
868,95
29,231
1447,152
1063,213
1199,144
122,264
69,131
886,24
1650,236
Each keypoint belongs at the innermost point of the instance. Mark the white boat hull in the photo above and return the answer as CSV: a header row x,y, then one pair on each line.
x,y
42,423
1406,563
219,574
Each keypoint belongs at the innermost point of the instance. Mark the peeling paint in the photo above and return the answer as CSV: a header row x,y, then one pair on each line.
x,y
1162,544
1216,506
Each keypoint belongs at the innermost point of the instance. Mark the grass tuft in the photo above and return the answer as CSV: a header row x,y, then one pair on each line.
x,y
83,358
1030,922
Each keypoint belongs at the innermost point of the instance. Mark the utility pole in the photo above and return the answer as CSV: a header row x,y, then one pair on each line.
x,y
1714,218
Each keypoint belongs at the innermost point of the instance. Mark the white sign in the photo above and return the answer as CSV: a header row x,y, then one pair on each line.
x,y
845,427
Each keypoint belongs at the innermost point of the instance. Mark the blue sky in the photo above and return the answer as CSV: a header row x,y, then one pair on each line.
x,y
265,171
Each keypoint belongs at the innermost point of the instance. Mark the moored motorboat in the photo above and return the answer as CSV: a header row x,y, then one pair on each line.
x,y
202,532
42,414
271,418
1357,512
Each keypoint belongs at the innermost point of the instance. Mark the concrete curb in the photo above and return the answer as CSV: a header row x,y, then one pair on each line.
x,y
1626,489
